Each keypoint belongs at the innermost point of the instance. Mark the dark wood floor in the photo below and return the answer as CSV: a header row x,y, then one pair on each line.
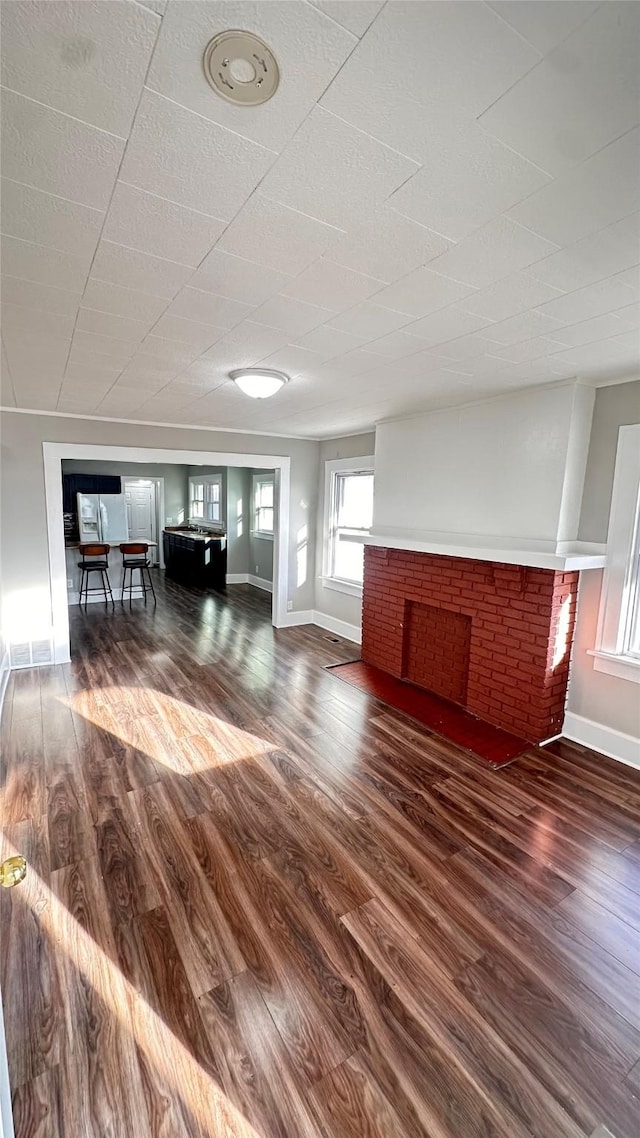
x,y
261,904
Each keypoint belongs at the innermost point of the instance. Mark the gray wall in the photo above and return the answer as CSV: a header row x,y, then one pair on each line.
x,y
602,698
340,606
238,519
175,480
261,548
24,553
615,407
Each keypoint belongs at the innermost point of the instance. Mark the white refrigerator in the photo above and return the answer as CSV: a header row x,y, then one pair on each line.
x,y
103,517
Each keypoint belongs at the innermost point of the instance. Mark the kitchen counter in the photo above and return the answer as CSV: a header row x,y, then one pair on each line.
x,y
114,545
195,558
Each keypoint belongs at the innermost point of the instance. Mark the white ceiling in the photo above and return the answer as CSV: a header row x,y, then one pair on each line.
x,y
438,204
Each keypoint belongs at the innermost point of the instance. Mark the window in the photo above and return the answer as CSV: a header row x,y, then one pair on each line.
x,y
617,649
263,505
205,499
348,519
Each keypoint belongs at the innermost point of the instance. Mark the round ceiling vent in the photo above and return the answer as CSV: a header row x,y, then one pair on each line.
x,y
241,68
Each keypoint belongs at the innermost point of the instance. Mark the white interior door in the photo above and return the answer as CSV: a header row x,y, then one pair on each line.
x,y
140,498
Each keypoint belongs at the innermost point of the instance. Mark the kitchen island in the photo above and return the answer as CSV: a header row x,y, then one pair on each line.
x,y
73,556
194,557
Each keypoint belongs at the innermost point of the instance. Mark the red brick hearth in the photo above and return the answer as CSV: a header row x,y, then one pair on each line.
x,y
494,638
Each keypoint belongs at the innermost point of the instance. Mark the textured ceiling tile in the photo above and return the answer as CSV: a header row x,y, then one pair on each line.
x,y
492,252
271,234
354,15
160,227
515,293
31,295
370,320
396,345
606,253
44,266
545,23
447,324
598,328
310,49
292,316
386,245
36,322
190,332
106,324
329,342
452,58
60,155
423,291
525,326
88,60
48,220
589,197
292,360
105,297
335,173
120,350
467,178
594,300
208,308
583,95
129,268
332,286
238,278
174,153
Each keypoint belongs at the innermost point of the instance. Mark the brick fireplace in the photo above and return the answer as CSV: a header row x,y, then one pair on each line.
x,y
492,637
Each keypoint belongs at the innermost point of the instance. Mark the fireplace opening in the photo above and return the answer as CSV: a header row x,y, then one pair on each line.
x,y
435,653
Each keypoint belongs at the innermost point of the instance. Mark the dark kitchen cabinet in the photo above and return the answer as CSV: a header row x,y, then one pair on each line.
x,y
200,562
74,484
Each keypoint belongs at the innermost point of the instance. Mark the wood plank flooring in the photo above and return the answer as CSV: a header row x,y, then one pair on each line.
x,y
262,905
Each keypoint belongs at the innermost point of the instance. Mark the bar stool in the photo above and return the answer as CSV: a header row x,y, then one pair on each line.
x,y
134,556
99,564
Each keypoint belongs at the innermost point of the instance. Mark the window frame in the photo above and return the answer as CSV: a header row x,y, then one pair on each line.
x,y
333,469
259,480
620,593
206,480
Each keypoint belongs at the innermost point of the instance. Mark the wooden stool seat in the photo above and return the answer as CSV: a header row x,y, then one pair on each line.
x,y
134,556
99,563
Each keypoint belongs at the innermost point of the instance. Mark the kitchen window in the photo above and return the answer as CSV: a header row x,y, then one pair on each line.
x,y
205,499
263,505
617,649
348,519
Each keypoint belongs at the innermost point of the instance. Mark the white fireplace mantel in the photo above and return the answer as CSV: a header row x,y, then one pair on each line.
x,y
564,556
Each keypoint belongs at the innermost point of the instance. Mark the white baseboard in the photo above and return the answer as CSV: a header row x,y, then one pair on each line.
x,y
261,583
339,627
5,672
615,744
237,578
292,619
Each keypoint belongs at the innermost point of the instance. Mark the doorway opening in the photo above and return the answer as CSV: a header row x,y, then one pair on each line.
x,y
147,500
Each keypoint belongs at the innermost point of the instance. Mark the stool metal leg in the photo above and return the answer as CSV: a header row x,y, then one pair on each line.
x,y
150,580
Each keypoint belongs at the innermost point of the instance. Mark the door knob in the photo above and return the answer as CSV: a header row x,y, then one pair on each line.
x,y
13,871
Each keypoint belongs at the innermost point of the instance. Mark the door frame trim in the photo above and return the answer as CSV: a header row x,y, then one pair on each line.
x,y
53,454
158,484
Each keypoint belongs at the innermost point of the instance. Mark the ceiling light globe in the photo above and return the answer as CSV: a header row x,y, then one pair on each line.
x,y
259,383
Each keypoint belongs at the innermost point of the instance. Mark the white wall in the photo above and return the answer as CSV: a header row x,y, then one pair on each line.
x,y
611,703
509,468
24,552
330,603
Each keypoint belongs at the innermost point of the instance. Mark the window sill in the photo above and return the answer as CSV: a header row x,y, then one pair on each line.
x,y
260,534
624,667
339,586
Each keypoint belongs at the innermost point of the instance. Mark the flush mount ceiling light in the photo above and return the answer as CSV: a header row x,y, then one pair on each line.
x,y
258,382
241,67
